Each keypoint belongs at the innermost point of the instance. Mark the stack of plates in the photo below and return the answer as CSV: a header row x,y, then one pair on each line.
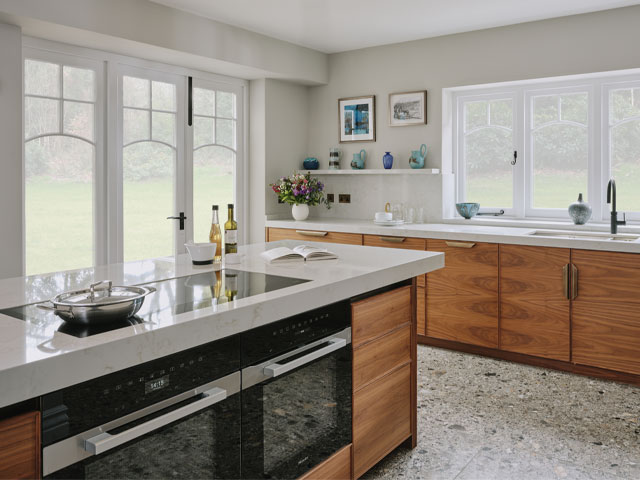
x,y
389,223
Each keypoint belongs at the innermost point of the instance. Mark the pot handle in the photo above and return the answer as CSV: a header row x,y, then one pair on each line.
x,y
423,147
92,287
150,290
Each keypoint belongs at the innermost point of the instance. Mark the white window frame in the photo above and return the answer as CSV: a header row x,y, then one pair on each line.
x,y
598,85
108,168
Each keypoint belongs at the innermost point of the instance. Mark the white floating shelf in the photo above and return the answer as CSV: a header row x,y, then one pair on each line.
x,y
377,171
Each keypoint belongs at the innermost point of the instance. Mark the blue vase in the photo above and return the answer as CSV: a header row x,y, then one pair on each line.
x,y
310,163
387,160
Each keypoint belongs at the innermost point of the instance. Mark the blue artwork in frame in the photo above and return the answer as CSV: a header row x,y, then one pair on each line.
x,y
357,119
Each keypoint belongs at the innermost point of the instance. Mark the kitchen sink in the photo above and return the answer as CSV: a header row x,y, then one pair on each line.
x,y
618,237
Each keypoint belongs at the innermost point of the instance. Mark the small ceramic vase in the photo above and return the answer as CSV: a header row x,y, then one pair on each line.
x,y
417,157
580,211
300,212
358,160
387,160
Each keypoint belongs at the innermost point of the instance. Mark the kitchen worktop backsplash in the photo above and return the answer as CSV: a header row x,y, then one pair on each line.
x,y
369,193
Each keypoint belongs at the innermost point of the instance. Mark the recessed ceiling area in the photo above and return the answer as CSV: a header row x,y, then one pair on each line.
x,y
337,25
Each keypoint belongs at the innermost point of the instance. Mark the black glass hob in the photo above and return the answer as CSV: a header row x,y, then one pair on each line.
x,y
173,297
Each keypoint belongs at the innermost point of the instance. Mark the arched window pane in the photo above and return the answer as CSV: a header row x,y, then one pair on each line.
x,y
213,173
148,199
78,119
41,116
58,198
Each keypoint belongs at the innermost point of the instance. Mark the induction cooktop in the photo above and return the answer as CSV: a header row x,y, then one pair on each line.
x,y
173,296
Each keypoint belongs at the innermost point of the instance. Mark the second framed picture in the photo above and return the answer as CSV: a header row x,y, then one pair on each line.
x,y
408,108
357,119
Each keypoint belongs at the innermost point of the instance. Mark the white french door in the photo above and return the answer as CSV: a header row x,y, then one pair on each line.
x,y
151,164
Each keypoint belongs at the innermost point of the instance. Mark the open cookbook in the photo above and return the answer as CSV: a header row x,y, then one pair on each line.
x,y
301,253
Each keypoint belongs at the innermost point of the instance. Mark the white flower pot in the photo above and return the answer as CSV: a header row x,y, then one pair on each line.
x,y
300,212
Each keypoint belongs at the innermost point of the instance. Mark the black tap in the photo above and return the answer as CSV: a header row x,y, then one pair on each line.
x,y
611,198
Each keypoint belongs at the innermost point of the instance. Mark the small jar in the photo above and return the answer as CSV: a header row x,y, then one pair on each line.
x,y
334,159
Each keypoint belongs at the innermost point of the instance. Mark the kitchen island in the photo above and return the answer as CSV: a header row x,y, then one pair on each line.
x,y
38,357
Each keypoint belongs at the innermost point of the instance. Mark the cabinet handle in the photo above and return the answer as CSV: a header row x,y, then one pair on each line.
x,y
392,239
566,281
310,233
459,244
574,282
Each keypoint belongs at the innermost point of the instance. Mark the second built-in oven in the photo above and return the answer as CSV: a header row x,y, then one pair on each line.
x,y
296,392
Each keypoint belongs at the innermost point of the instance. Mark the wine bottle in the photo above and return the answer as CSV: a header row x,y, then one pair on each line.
x,y
230,233
231,286
215,236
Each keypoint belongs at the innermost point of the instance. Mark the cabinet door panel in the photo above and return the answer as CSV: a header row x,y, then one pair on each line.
x,y
20,446
534,312
336,467
421,313
373,317
462,298
394,242
605,317
381,418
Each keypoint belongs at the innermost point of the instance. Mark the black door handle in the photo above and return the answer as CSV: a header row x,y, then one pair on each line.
x,y
181,217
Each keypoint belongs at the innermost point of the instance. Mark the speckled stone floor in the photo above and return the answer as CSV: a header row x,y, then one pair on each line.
x,y
480,418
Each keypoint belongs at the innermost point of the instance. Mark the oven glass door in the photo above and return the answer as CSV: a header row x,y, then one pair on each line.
x,y
297,419
204,444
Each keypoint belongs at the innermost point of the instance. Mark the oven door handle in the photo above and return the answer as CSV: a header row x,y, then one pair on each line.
x,y
104,442
276,369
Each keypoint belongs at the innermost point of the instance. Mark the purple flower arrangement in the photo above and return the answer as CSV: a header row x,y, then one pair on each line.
x,y
300,189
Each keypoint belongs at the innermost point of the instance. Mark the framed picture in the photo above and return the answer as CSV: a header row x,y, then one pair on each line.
x,y
357,119
408,108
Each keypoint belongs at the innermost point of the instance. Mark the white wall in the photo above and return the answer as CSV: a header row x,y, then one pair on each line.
x,y
10,151
570,45
257,160
156,32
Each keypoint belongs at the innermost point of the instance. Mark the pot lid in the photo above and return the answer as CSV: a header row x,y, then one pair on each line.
x,y
94,296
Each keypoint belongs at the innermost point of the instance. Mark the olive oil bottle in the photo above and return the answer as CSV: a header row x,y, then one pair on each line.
x,y
215,236
230,233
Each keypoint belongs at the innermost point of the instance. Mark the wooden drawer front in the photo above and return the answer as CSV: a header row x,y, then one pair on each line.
x,y
394,242
276,234
20,446
379,357
336,467
534,311
422,280
462,298
605,318
421,310
381,418
373,317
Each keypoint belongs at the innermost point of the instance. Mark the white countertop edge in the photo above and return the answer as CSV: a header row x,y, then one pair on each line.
x,y
102,354
465,232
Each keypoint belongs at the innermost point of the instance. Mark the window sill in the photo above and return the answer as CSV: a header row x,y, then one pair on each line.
x,y
542,223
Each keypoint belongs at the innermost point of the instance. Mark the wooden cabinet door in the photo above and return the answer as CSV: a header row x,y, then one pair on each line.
x,y
534,308
336,467
381,418
276,234
394,242
605,317
421,310
462,298
20,446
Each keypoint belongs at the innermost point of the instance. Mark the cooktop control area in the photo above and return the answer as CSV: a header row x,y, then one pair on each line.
x,y
173,297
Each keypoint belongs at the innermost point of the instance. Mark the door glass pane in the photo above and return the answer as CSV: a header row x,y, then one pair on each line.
x,y
79,83
41,78
213,165
149,168
59,167
41,116
488,151
213,173
58,198
148,199
560,144
624,120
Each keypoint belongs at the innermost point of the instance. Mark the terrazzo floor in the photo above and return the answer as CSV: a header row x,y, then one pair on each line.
x,y
480,418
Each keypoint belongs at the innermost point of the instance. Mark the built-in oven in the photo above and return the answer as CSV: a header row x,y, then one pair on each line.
x,y
296,392
174,417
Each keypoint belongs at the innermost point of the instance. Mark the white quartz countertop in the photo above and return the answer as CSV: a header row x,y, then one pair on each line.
x,y
473,233
38,359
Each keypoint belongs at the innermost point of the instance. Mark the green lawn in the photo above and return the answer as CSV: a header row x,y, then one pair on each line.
x,y
59,232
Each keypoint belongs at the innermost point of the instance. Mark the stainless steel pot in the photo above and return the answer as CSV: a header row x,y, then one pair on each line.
x,y
93,305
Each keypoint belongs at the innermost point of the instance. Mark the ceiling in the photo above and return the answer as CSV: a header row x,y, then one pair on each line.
x,y
338,25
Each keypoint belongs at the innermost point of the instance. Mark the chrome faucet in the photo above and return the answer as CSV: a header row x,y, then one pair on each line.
x,y
611,198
